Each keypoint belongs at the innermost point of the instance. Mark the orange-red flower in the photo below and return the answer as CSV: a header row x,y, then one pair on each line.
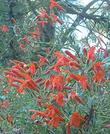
x,y
71,55
91,53
58,54
62,60
55,121
36,113
74,65
32,68
35,34
51,111
99,76
42,14
98,66
54,4
42,60
52,115
68,128
25,38
82,79
99,72
84,82
59,98
85,52
76,119
75,76
56,82
19,77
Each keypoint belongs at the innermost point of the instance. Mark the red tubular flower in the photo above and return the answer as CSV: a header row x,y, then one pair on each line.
x,y
75,76
47,83
39,80
51,111
82,79
75,97
84,82
71,55
58,54
98,66
20,74
32,68
57,82
54,4
67,87
42,60
21,45
36,113
20,90
76,119
55,121
31,84
52,115
59,98
74,65
19,77
61,61
36,34
42,14
99,76
85,52
68,128
91,53
25,38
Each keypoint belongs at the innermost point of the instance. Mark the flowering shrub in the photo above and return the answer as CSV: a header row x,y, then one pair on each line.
x,y
63,88
68,88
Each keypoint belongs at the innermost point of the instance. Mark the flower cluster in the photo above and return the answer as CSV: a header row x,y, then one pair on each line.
x,y
58,84
20,76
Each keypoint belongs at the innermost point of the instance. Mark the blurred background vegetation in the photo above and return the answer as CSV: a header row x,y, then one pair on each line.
x,y
83,24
